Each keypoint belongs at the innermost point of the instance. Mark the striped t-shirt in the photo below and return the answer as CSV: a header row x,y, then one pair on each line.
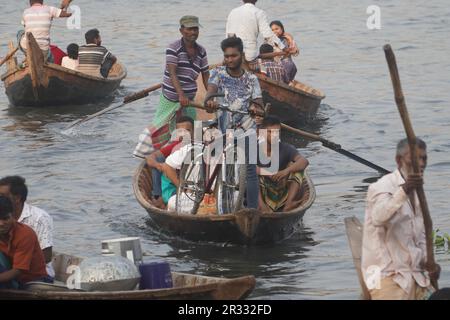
x,y
187,70
38,20
91,57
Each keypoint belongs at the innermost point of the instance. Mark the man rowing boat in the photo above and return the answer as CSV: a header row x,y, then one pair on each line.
x,y
394,249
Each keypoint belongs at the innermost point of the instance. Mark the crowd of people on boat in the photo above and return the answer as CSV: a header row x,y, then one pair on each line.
x,y
91,58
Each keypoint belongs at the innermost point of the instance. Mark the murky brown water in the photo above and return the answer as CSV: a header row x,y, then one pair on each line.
x,y
84,179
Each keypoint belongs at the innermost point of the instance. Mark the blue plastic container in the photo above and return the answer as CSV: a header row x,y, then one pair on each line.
x,y
155,275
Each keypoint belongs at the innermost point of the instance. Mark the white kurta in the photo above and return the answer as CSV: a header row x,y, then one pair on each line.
x,y
248,22
394,241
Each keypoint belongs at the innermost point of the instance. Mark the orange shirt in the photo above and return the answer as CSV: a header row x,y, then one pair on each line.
x,y
24,252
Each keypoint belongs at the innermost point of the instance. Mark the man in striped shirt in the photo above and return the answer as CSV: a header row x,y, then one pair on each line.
x,y
268,66
38,20
185,60
92,55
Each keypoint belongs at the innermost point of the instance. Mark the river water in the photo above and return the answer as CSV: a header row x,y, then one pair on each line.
x,y
84,178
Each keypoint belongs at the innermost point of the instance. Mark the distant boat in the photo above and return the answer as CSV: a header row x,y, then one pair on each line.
x,y
295,104
185,287
41,84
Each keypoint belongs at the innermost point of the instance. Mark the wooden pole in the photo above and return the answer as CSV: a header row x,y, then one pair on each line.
x,y
400,100
8,56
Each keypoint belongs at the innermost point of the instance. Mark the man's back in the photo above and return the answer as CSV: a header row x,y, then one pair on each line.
x,y
247,22
274,70
38,20
90,59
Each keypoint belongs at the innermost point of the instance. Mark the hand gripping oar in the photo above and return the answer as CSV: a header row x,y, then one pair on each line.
x,y
126,100
401,105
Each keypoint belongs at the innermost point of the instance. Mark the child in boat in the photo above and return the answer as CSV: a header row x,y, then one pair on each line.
x,y
71,61
271,68
289,42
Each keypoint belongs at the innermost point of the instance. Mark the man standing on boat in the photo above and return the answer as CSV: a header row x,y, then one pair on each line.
x,y
394,249
241,88
248,22
38,20
185,61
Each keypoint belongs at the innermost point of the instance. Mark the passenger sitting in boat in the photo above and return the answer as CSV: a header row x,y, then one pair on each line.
x,y
38,20
71,61
280,189
271,68
21,258
288,41
92,55
41,222
157,159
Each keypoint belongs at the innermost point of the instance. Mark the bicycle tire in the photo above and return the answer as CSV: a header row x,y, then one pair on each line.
x,y
197,186
229,202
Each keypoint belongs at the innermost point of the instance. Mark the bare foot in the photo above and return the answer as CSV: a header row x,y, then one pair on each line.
x,y
291,206
159,203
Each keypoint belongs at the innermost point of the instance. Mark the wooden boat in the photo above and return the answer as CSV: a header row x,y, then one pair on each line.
x,y
292,104
243,227
186,287
355,234
42,84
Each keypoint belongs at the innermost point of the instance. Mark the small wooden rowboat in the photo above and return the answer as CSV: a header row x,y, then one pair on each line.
x,y
243,227
41,84
292,104
185,287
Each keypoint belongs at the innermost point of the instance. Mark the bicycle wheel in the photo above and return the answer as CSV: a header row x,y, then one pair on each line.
x,y
191,191
231,188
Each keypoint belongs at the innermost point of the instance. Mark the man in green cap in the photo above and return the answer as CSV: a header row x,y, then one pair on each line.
x,y
185,60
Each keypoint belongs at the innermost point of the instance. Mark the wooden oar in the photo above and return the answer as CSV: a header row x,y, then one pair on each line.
x,y
401,104
335,147
9,56
126,100
326,143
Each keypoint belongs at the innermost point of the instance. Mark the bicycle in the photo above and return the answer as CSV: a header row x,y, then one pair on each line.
x,y
226,179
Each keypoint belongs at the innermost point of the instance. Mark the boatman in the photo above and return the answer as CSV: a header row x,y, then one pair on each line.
x,y
249,22
394,249
38,20
185,60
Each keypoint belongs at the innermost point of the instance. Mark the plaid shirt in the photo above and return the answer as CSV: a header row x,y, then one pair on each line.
x,y
274,70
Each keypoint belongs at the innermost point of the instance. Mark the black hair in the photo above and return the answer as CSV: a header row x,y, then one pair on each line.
x,y
280,24
232,42
72,51
183,119
17,186
91,35
265,48
442,294
6,207
36,1
271,121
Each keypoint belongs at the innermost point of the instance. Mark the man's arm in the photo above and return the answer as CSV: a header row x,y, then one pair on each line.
x,y
300,164
152,161
184,102
48,254
384,204
65,14
205,76
9,275
212,105
171,174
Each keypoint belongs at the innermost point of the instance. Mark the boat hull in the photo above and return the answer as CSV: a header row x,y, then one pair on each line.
x,y
246,227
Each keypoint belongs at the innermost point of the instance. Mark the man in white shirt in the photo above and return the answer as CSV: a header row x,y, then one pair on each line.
x,y
37,19
41,222
394,244
248,22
